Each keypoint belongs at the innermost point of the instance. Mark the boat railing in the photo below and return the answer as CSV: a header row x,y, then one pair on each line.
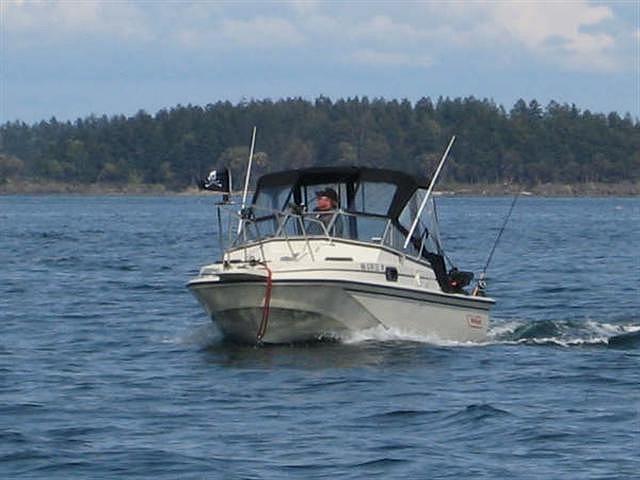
x,y
294,224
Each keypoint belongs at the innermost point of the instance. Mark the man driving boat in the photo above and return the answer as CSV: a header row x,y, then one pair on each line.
x,y
326,205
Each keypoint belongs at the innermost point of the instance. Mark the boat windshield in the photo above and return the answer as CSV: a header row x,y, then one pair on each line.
x,y
373,206
365,197
427,228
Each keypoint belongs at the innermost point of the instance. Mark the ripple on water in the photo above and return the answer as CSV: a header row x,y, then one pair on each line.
x,y
109,368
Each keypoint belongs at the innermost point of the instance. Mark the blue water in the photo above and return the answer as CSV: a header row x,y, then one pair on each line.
x,y
110,369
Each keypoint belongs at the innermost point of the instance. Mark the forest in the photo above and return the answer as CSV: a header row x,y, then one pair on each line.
x,y
529,144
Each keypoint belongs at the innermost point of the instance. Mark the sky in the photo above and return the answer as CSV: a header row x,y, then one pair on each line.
x,y
74,58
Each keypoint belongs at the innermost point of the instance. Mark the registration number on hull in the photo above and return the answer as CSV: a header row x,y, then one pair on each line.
x,y
371,267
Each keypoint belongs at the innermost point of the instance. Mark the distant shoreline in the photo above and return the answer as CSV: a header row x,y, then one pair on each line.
x,y
591,189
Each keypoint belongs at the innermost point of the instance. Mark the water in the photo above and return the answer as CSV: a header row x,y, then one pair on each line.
x,y
109,368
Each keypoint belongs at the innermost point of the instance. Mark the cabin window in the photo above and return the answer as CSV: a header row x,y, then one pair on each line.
x,y
374,197
372,229
427,228
270,199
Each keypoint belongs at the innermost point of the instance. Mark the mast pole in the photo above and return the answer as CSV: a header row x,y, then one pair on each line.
x,y
429,190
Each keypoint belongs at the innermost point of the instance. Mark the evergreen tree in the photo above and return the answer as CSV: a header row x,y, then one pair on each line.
x,y
177,146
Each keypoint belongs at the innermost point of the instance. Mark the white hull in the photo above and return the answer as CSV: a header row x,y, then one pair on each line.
x,y
309,311
335,300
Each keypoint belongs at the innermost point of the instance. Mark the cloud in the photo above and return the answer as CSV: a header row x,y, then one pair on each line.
x,y
379,41
384,28
231,34
390,59
260,31
304,6
569,35
574,35
31,20
563,32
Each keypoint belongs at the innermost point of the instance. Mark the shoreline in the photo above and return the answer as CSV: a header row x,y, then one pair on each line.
x,y
591,189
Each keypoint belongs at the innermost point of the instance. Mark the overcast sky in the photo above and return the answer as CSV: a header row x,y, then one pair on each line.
x,y
72,58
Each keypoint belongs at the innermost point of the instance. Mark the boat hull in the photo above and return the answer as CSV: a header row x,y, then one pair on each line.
x,y
302,311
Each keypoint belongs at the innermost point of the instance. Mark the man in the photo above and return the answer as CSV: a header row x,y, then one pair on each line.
x,y
326,205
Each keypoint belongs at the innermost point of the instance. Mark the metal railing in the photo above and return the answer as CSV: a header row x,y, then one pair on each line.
x,y
293,225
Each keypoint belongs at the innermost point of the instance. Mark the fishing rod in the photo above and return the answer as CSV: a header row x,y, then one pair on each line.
x,y
481,286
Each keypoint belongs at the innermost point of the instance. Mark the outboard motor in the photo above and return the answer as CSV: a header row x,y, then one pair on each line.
x,y
459,279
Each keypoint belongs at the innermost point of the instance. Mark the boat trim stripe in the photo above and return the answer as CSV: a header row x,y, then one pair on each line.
x,y
432,297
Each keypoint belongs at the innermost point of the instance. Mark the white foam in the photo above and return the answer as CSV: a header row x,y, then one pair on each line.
x,y
497,330
201,336
589,332
564,342
616,329
383,334
571,334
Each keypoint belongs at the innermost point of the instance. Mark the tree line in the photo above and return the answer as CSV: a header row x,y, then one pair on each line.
x,y
529,144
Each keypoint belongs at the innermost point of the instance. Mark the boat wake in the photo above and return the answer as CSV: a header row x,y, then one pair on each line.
x,y
202,336
383,334
565,333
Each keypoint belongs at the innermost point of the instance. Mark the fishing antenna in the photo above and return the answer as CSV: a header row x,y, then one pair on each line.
x,y
481,286
246,181
428,194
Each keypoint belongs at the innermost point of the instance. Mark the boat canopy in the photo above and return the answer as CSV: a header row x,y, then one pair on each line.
x,y
364,190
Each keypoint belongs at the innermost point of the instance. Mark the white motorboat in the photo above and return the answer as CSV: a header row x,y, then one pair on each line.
x,y
375,262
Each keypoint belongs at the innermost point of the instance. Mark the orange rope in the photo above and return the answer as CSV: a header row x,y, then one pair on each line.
x,y
266,306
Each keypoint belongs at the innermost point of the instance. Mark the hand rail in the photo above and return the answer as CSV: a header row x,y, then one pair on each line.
x,y
282,220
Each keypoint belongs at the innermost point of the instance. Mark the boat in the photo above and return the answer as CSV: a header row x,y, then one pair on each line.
x,y
374,262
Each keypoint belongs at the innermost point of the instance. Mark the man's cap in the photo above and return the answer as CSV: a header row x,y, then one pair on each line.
x,y
329,193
